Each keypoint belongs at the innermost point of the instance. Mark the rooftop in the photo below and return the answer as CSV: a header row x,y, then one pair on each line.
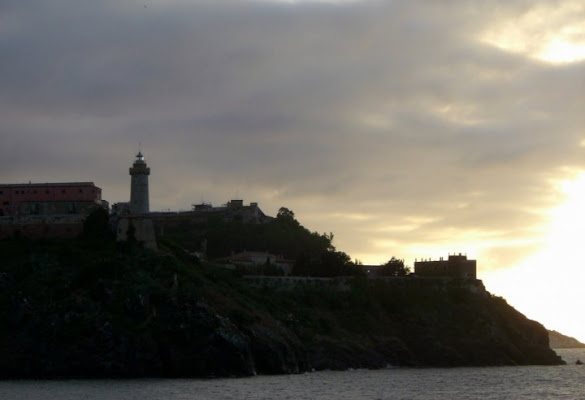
x,y
52,184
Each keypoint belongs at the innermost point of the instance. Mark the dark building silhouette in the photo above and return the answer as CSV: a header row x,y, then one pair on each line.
x,y
456,266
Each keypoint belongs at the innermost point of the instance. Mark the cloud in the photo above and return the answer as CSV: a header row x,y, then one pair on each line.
x,y
401,116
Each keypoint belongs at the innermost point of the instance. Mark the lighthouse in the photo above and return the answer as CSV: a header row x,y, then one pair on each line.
x,y
139,186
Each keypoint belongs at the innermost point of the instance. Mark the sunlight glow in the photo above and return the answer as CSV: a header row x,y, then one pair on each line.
x,y
555,50
549,33
549,285
559,51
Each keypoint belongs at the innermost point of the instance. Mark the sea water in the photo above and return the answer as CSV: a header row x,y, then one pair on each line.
x,y
532,382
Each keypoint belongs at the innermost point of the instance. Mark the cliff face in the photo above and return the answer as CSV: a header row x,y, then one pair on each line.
x,y
76,311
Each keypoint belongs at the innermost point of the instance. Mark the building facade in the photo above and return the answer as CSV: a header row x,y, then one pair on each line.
x,y
47,210
232,211
247,260
49,198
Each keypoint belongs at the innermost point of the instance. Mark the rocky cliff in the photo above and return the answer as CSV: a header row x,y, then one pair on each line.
x,y
74,309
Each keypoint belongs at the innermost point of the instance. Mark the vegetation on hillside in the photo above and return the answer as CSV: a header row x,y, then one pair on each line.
x,y
313,253
94,307
394,267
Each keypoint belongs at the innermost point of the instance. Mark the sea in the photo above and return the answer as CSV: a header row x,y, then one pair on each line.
x,y
526,382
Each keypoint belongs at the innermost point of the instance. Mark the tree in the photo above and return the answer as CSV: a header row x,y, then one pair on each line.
x,y
285,213
96,225
328,264
394,267
287,216
334,263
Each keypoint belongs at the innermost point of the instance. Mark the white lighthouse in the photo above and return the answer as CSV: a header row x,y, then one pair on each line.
x,y
139,186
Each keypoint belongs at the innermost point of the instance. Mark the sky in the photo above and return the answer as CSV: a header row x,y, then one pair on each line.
x,y
411,129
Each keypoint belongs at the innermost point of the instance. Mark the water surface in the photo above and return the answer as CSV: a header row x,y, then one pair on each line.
x,y
534,382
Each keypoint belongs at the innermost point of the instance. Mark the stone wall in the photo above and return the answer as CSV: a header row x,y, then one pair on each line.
x,y
143,231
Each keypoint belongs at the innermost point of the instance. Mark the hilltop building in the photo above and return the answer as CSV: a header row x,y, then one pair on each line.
x,y
47,210
456,266
232,211
251,262
49,198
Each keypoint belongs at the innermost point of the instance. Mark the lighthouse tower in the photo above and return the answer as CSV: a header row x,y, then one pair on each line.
x,y
139,186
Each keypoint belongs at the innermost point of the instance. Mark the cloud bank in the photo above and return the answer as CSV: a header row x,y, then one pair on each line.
x,y
409,129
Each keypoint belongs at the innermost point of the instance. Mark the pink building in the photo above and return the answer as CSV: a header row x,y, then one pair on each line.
x,y
48,198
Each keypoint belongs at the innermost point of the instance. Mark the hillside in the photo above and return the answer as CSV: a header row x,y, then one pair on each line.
x,y
559,341
94,309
